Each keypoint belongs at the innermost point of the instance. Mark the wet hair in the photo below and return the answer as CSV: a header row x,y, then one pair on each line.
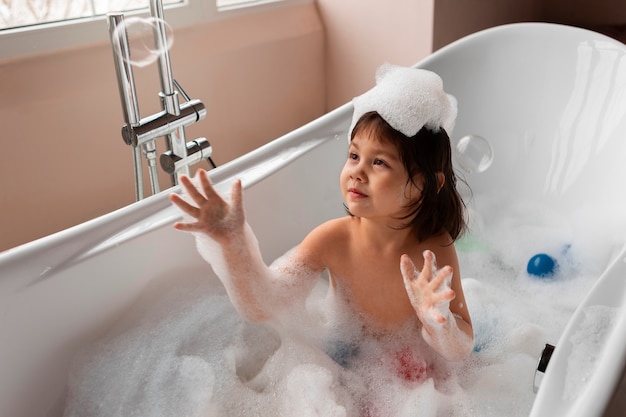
x,y
426,154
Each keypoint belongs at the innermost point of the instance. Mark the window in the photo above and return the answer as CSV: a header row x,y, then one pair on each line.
x,y
36,26
29,27
21,13
228,4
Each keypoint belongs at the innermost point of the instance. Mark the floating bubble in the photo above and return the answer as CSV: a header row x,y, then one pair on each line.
x,y
143,48
474,154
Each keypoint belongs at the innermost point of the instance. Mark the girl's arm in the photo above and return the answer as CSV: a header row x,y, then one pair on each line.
x,y
450,334
227,242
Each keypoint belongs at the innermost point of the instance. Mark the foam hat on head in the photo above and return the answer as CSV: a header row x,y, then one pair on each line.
x,y
408,99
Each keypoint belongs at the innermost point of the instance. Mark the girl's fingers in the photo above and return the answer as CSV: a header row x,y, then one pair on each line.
x,y
186,227
194,192
433,260
433,287
443,278
212,214
236,196
185,206
407,268
207,187
439,318
429,264
444,296
191,190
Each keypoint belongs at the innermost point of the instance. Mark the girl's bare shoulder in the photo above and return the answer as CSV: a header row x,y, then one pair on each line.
x,y
331,230
443,247
327,238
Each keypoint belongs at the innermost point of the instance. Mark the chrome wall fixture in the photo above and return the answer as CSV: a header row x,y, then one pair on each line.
x,y
170,123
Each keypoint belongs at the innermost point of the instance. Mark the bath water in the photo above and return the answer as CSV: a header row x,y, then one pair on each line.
x,y
190,353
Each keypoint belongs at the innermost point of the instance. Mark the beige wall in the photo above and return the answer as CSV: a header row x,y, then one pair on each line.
x,y
63,160
261,75
362,35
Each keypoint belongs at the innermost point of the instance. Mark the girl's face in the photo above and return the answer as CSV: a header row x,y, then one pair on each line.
x,y
374,180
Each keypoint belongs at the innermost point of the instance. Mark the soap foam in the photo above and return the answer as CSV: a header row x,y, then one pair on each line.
x,y
408,99
589,339
191,354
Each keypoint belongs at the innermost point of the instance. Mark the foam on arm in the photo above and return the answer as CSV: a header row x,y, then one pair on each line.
x,y
226,241
259,292
452,339
430,294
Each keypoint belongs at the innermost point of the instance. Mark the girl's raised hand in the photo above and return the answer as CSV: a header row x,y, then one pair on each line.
x,y
214,216
429,290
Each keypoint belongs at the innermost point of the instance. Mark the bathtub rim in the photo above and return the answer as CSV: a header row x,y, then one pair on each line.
x,y
153,204
159,206
86,239
592,400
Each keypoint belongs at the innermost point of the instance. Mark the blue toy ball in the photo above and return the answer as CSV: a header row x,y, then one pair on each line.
x,y
542,266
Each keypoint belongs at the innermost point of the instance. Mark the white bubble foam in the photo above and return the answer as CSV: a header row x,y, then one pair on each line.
x,y
191,354
408,99
589,339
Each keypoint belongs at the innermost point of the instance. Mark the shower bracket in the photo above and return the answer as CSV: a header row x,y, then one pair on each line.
x,y
170,123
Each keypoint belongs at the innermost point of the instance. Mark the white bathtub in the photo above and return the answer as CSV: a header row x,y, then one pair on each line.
x,y
550,99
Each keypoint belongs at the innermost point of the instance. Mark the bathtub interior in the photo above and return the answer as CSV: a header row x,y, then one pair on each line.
x,y
63,302
549,99
587,374
555,116
553,109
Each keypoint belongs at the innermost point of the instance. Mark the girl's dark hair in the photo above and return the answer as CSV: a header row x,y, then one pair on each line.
x,y
427,153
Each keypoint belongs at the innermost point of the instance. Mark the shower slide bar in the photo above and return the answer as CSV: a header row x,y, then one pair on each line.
x,y
170,123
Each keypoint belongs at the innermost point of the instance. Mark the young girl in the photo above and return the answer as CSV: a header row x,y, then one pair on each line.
x,y
403,213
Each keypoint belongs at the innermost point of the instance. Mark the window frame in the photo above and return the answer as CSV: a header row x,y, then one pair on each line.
x,y
51,37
